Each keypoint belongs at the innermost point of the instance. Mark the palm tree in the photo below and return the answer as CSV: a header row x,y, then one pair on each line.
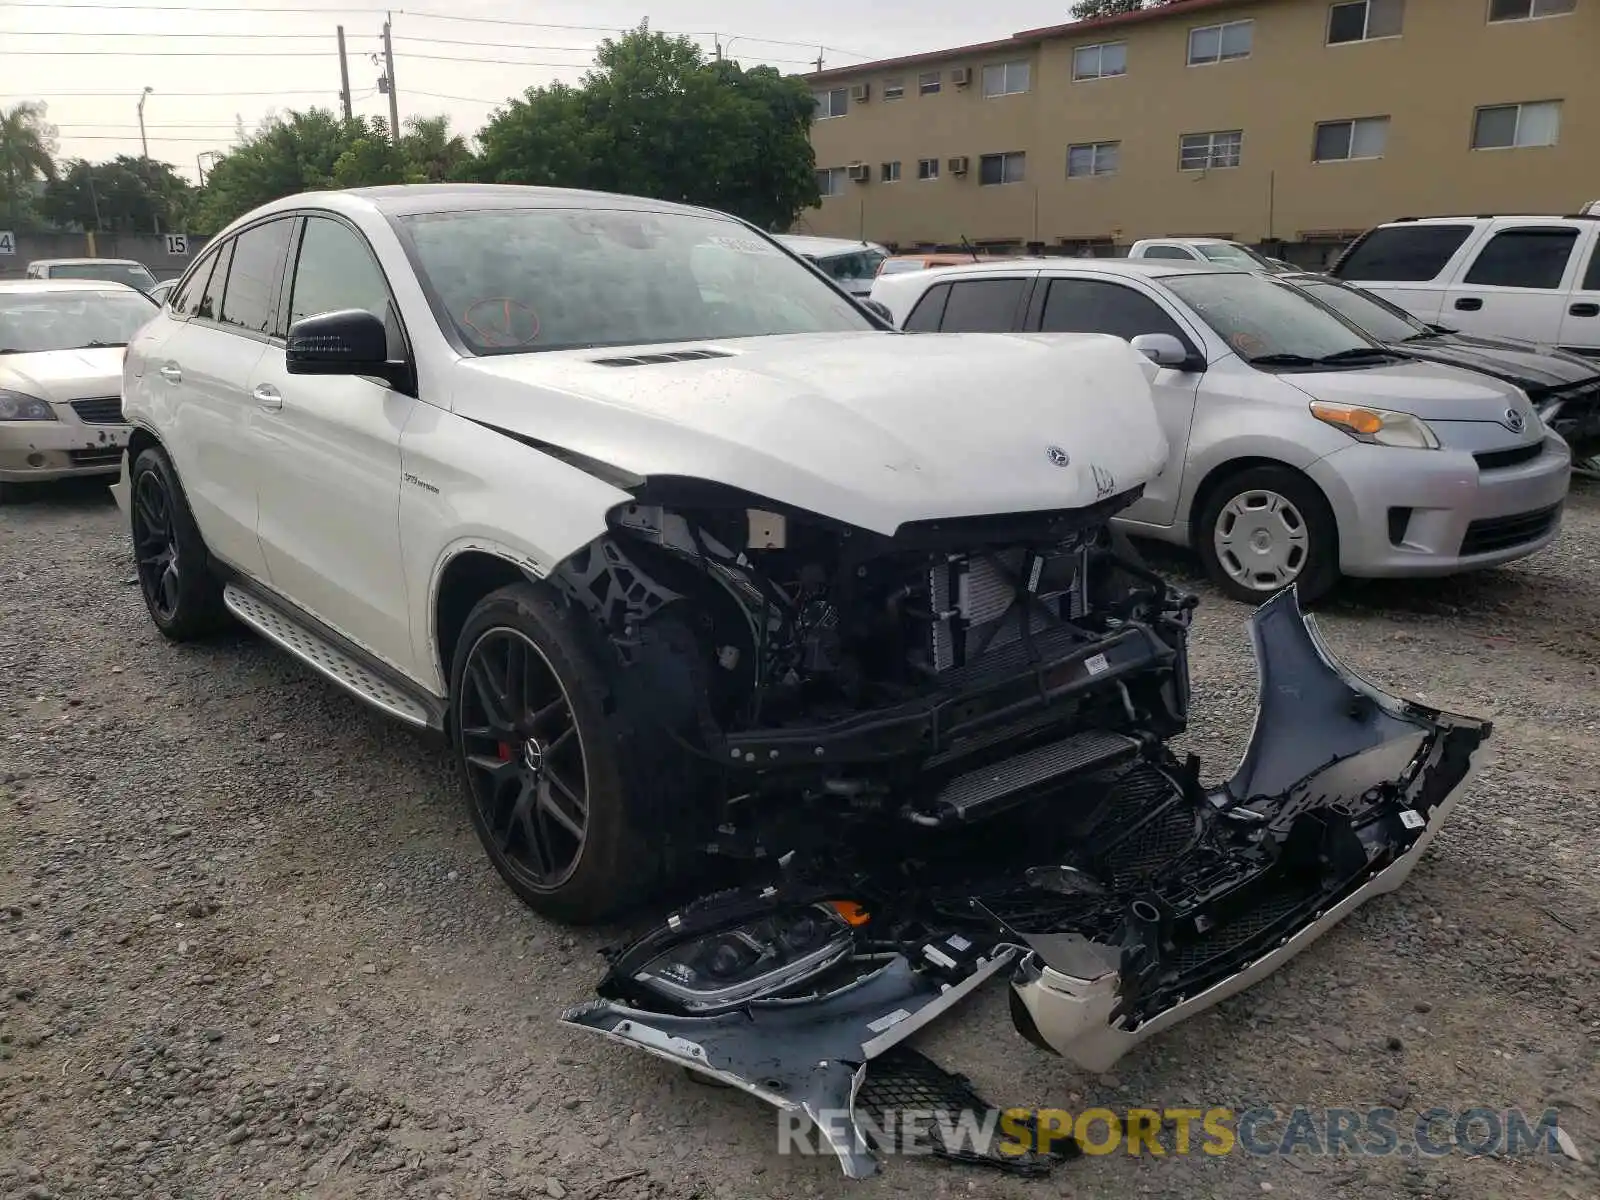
x,y
431,150
26,143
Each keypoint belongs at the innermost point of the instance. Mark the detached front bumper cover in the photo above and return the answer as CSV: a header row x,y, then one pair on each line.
x,y
1338,794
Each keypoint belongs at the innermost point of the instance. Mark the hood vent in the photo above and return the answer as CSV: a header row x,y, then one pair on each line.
x,y
645,360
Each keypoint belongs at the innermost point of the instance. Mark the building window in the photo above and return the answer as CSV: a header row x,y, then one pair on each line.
x,y
1206,151
831,181
1527,10
1005,79
928,83
1339,141
1365,21
1100,61
1504,126
1092,158
834,103
894,89
1001,168
890,172
1220,43
927,168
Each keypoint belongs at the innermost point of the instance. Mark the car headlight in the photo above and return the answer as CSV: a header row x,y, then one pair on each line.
x,y
19,406
1377,426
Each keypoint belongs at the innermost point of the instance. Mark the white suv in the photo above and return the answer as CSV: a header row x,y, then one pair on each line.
x,y
687,552
1525,277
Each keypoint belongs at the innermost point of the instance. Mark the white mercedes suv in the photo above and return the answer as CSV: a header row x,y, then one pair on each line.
x,y
690,554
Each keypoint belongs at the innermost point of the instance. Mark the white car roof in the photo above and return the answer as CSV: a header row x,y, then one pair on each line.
x,y
80,262
64,285
806,244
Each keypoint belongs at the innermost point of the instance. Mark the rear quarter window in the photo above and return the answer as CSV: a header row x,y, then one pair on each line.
x,y
929,312
983,306
1402,253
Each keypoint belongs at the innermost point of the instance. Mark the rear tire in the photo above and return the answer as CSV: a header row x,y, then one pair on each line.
x,y
1265,528
10,493
571,798
180,591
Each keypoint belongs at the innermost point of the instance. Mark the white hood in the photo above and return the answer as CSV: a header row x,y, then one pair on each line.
x,y
873,429
60,375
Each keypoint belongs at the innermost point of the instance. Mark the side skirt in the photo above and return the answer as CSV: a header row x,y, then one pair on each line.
x,y
332,656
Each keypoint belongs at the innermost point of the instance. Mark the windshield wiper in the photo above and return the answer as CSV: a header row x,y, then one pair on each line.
x,y
98,345
1283,360
1356,354
1424,336
1352,355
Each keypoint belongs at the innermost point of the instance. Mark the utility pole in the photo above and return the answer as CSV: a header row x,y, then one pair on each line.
x,y
388,68
344,77
819,57
144,146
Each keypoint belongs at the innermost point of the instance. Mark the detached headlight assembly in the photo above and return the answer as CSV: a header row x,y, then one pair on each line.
x,y
1377,426
19,406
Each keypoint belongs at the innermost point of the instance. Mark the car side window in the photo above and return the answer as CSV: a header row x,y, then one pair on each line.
x,y
1166,252
334,270
1094,306
186,299
257,265
1402,253
1591,280
211,297
1524,258
983,306
925,317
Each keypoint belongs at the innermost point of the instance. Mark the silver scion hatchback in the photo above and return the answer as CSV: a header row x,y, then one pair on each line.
x,y
1300,449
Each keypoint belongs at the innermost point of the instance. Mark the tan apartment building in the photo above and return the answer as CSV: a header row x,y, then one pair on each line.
x,y
1288,121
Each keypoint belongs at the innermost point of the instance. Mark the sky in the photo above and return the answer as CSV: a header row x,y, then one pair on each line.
x,y
212,61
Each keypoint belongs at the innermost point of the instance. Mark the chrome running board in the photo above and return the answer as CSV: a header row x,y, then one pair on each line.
x,y
333,662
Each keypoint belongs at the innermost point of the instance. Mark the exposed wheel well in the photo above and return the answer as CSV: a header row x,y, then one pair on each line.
x,y
1223,472
139,441
468,578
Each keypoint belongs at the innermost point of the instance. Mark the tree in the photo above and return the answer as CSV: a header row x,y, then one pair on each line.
x,y
303,151
655,118
124,195
1088,10
432,152
27,149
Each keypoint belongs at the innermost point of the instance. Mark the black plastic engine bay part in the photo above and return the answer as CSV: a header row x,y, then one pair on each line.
x,y
1120,900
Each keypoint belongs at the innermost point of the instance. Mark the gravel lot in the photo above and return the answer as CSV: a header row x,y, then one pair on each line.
x,y
248,944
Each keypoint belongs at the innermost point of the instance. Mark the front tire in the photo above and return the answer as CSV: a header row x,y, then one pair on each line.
x,y
1266,528
558,781
180,591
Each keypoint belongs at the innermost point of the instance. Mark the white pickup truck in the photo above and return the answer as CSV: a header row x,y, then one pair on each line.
x,y
1531,277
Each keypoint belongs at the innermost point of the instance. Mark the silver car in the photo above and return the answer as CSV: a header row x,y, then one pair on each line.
x,y
1300,449
61,348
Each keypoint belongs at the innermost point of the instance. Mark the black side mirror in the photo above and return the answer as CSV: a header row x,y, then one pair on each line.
x,y
878,309
351,341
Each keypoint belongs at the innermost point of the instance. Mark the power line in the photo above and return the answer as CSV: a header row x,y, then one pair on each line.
x,y
419,13
443,96
125,93
504,62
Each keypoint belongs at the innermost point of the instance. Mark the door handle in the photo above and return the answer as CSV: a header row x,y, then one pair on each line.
x,y
171,373
1469,304
266,396
1585,310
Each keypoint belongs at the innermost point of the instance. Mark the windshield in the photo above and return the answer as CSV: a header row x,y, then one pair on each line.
x,y
852,265
31,322
131,274
1260,318
512,281
1376,318
1233,255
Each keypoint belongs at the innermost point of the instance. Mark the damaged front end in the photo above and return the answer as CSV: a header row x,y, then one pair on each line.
x,y
1121,897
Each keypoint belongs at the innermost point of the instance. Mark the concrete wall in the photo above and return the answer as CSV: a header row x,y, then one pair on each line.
x,y
1448,61
147,248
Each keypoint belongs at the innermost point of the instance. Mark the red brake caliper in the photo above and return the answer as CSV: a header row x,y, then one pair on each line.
x,y
505,751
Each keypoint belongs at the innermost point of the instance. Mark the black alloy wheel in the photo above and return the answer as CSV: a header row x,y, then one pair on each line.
x,y
155,543
525,759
